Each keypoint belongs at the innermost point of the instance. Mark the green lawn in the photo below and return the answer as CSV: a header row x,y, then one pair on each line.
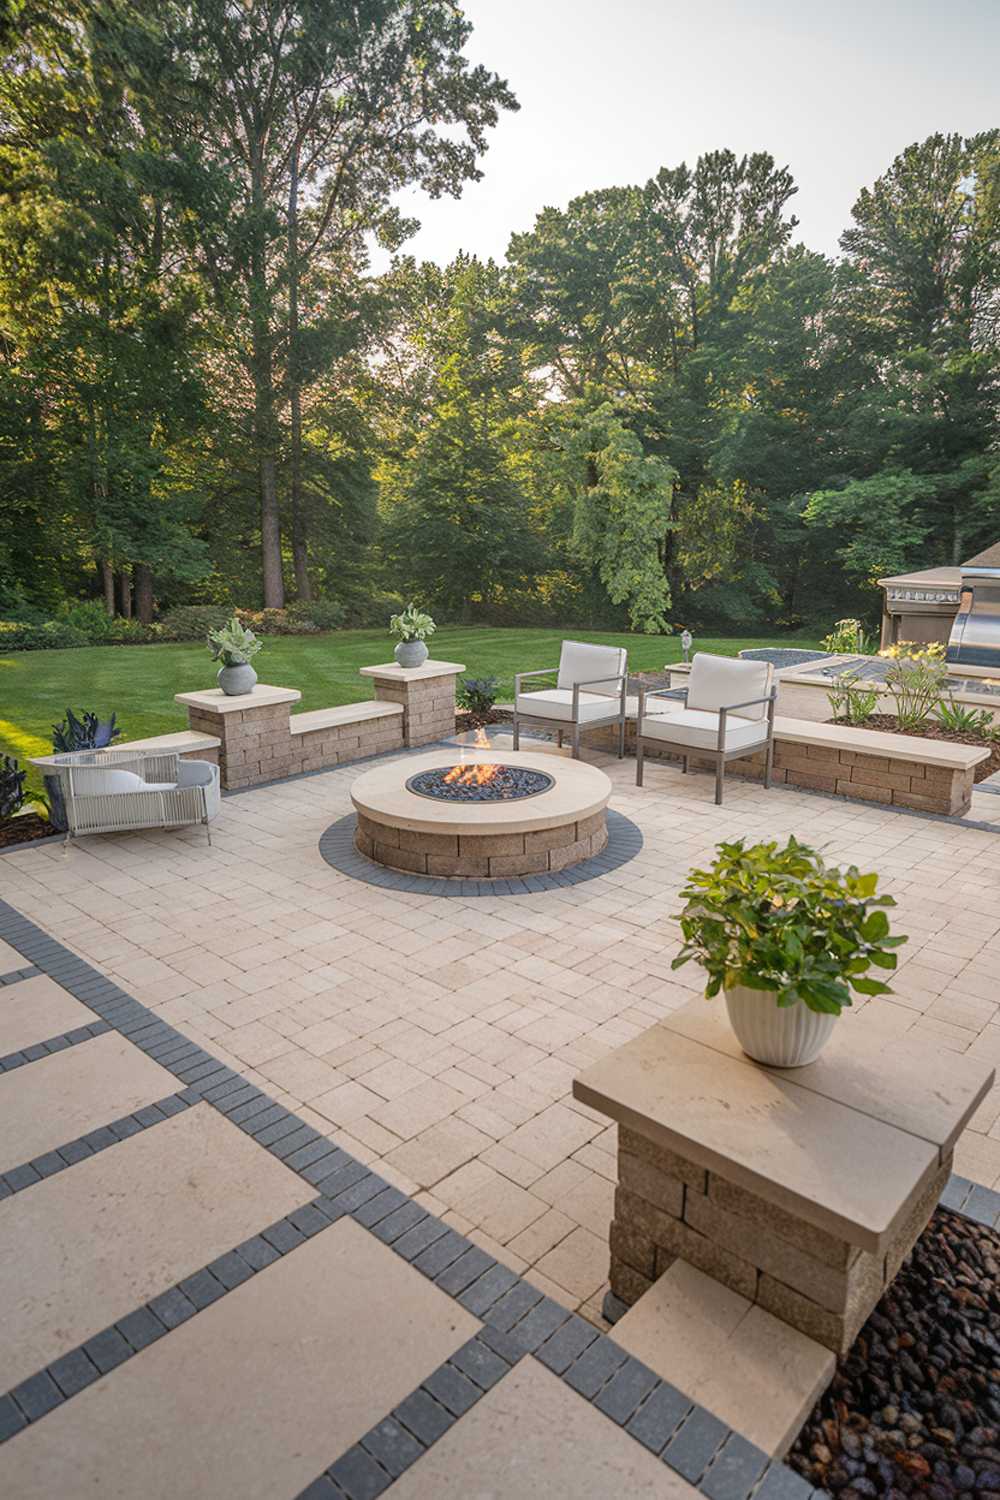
x,y
139,682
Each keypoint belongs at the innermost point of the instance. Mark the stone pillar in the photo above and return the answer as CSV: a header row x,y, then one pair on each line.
x,y
427,694
255,742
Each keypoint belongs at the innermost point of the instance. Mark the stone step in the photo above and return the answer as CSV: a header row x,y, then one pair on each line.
x,y
749,1368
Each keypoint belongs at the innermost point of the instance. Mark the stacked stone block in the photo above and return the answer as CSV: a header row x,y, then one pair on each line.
x,y
668,1208
428,705
482,856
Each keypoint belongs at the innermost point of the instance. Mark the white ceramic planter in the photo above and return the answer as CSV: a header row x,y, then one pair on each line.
x,y
783,1037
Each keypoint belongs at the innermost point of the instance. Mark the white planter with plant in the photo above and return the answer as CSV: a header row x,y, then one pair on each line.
x,y
234,646
411,629
786,938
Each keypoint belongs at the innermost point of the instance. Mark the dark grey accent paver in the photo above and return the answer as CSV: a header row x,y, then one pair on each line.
x,y
464,1271
141,1328
480,1363
413,1243
659,1416
73,1372
626,1390
490,1287
283,1236
691,1449
453,1389
37,1395
12,1418
539,1324
734,1470
393,1447
782,1483
202,1288
566,1344
380,1207
107,1349
426,1418
257,1253
512,1307
595,1367
308,1220
172,1307
358,1474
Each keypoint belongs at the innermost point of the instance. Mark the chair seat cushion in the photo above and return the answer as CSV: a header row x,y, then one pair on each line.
x,y
557,703
700,730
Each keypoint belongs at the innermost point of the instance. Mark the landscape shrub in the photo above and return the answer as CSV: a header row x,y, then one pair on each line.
x,y
320,614
192,622
478,694
374,611
12,791
90,618
54,635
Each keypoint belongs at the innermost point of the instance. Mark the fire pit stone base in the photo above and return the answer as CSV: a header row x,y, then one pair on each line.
x,y
486,856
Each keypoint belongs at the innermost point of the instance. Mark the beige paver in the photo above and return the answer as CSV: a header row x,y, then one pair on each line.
x,y
753,1371
10,959
533,1435
52,1101
32,1010
126,1224
258,1393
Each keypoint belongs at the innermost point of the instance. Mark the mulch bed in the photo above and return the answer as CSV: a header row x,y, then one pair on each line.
x,y
914,1408
887,723
24,829
466,721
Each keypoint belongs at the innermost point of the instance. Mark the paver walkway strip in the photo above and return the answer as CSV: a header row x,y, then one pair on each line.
x,y
518,1320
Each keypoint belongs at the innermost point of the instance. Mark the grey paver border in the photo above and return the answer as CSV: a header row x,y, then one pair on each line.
x,y
516,1316
336,846
37,1050
16,975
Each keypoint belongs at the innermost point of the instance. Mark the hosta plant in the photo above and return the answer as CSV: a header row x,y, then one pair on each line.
x,y
86,733
12,793
412,624
478,694
782,920
233,644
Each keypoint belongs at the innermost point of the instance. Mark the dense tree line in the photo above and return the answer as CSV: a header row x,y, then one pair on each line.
x,y
660,408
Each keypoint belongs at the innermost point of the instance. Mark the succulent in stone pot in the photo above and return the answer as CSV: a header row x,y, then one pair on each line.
x,y
234,646
412,627
786,937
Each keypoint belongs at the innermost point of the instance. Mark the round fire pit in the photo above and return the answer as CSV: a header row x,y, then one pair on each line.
x,y
505,784
502,813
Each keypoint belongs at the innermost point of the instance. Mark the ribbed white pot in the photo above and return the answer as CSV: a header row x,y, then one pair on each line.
x,y
783,1036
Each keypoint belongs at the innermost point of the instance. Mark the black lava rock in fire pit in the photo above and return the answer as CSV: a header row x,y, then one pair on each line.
x,y
469,783
914,1408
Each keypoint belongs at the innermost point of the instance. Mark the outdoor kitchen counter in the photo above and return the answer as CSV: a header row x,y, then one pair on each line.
x,y
802,1189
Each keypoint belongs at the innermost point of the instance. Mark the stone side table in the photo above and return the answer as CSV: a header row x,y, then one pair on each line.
x,y
427,694
252,729
802,1189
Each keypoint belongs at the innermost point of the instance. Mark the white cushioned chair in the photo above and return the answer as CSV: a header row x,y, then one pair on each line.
x,y
113,791
726,712
590,688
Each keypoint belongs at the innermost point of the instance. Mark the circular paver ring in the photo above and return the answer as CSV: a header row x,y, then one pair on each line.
x,y
336,845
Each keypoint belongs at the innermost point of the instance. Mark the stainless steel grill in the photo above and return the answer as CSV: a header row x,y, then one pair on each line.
x,y
975,633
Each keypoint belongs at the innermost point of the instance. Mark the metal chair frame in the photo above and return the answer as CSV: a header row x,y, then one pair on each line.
x,y
720,756
574,725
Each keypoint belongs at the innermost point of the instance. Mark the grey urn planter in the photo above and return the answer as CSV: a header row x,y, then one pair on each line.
x,y
410,654
235,681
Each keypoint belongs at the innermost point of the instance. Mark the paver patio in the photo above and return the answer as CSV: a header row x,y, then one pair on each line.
x,y
436,1042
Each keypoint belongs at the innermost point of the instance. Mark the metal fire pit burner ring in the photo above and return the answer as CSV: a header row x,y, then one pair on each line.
x,y
510,784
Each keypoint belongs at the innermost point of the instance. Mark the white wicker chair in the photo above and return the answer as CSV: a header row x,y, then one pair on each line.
x,y
590,691
114,791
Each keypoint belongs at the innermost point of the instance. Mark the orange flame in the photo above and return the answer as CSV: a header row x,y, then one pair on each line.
x,y
480,772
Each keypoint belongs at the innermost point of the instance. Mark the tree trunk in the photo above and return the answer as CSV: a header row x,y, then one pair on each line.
x,y
300,547
125,593
142,575
108,585
265,408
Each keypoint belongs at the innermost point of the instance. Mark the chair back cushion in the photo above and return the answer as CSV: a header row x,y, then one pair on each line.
x,y
717,681
89,782
579,662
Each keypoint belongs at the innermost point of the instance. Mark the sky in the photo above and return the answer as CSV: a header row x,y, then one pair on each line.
x,y
611,90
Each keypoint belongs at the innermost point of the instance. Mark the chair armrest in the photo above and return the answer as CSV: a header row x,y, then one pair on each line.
x,y
541,672
620,677
730,708
647,693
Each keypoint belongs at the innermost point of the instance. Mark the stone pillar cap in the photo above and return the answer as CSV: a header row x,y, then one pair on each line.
x,y
430,668
215,701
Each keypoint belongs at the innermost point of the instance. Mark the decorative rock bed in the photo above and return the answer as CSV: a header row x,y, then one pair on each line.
x,y
914,1406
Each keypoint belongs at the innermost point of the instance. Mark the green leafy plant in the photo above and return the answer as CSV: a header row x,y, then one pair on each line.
x,y
192,622
849,700
412,624
782,920
847,635
478,694
86,733
12,792
916,681
233,645
960,719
